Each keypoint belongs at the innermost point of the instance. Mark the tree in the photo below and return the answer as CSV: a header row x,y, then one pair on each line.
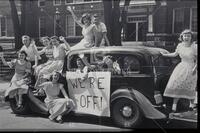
x,y
16,25
115,19
27,17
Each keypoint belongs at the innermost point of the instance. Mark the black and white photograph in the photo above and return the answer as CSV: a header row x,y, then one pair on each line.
x,y
98,65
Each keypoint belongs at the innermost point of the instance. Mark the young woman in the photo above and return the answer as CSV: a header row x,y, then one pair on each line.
x,y
57,106
59,53
82,68
18,82
183,80
48,51
87,30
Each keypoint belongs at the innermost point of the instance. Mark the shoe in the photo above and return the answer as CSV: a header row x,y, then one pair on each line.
x,y
174,111
60,121
19,106
53,120
190,109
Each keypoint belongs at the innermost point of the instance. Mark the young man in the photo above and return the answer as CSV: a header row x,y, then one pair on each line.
x,y
30,48
100,32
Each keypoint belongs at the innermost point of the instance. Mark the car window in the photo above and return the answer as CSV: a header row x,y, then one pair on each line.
x,y
131,64
73,61
107,62
162,61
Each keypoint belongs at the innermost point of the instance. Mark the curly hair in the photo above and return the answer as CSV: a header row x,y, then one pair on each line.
x,y
86,16
186,31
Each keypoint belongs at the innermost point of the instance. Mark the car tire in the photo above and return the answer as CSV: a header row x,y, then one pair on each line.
x,y
126,113
25,109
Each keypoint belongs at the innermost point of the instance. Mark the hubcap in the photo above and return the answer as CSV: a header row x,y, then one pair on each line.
x,y
126,111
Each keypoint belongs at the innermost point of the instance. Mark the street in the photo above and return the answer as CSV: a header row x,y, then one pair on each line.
x,y
36,122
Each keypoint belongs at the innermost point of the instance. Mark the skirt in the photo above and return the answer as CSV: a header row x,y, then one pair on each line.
x,y
58,106
84,43
16,88
40,67
182,83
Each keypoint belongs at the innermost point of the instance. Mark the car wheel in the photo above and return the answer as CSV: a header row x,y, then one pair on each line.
x,y
25,109
126,113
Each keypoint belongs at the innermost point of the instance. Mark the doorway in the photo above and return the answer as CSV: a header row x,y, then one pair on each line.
x,y
136,31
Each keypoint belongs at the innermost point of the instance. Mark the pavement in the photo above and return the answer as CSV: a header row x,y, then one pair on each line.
x,y
3,86
9,121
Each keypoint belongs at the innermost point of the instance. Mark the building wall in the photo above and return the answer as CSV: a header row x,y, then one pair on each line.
x,y
159,30
163,32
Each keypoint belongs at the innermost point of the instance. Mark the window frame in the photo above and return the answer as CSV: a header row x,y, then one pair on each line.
x,y
73,1
41,1
54,3
42,17
5,26
66,23
173,19
191,16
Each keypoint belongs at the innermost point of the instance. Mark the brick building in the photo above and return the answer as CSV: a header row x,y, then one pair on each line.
x,y
147,20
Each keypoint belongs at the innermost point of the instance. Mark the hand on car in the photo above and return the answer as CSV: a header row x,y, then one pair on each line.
x,y
1,54
34,66
194,71
61,38
69,8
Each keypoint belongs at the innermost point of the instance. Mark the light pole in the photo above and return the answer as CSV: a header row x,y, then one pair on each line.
x,y
57,22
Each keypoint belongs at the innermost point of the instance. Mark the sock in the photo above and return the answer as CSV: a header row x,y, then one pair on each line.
x,y
191,105
174,107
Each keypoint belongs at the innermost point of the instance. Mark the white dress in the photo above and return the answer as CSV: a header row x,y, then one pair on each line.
x,y
49,55
55,104
182,83
88,38
17,82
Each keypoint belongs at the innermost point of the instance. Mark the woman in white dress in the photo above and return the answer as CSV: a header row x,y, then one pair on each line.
x,y
183,81
18,85
59,53
87,30
82,68
57,106
48,51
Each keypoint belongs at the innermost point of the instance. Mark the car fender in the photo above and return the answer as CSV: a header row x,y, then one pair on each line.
x,y
145,105
38,104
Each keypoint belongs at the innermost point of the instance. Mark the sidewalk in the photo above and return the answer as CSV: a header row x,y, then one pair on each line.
x,y
3,85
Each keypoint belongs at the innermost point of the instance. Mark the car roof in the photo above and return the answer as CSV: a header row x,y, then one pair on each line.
x,y
145,50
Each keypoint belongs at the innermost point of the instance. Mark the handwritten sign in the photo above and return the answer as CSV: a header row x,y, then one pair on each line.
x,y
91,96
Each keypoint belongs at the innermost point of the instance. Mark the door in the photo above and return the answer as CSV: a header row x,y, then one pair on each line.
x,y
136,31
142,30
131,32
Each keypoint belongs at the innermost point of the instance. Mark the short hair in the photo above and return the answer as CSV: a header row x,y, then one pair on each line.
x,y
95,15
87,16
23,52
44,38
26,36
186,31
54,37
79,59
59,75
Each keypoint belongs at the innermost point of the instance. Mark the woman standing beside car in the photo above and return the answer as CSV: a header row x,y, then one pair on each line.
x,y
183,80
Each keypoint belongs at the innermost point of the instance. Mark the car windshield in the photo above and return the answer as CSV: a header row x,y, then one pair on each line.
x,y
162,64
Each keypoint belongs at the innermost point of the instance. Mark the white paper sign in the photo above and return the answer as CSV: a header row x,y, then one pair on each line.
x,y
91,96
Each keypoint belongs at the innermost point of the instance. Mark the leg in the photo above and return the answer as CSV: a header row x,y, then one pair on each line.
x,y
59,119
192,105
19,100
175,101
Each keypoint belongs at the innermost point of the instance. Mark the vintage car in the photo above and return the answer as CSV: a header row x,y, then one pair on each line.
x,y
134,91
